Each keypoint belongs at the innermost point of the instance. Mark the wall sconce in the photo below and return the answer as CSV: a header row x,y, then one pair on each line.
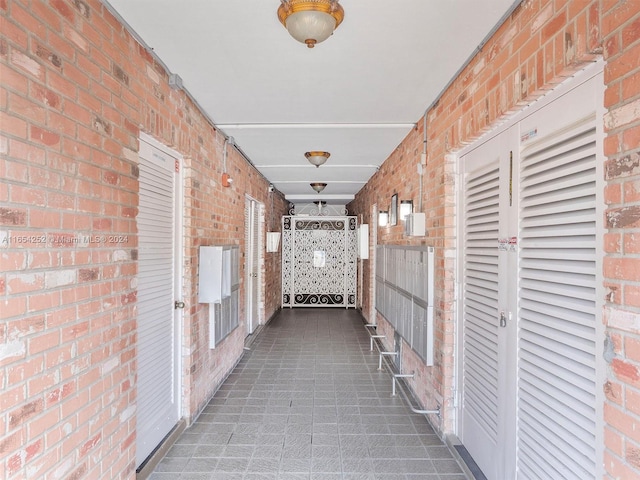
x,y
406,208
383,218
273,240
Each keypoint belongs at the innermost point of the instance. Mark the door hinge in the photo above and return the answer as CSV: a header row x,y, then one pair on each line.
x,y
178,304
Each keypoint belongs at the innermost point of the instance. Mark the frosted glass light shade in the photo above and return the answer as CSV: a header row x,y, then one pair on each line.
x,y
310,21
310,27
317,158
273,240
383,218
406,208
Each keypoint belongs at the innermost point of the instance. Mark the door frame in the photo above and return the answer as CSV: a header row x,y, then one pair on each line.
x,y
178,293
591,70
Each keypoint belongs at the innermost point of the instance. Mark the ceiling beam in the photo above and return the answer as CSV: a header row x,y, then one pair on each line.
x,y
241,126
325,166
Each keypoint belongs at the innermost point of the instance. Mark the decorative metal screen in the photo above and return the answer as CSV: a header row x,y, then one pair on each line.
x,y
319,257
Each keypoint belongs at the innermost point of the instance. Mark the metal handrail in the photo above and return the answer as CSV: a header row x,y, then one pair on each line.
x,y
371,340
372,335
395,376
382,354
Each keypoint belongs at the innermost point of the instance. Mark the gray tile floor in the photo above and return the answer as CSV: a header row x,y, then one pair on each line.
x,y
307,402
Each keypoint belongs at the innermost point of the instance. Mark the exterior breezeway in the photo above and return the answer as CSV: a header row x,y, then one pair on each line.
x,y
307,401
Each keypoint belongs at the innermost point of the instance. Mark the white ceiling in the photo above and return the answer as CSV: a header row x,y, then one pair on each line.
x,y
356,95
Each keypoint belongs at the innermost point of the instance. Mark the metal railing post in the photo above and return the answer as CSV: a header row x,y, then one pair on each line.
x,y
399,375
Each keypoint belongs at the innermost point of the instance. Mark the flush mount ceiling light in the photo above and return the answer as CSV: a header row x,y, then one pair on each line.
x,y
317,158
310,21
317,186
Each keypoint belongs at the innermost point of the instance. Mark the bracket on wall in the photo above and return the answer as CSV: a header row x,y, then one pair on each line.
x,y
175,81
226,180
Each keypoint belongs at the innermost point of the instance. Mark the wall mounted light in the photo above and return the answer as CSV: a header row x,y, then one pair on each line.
x,y
383,218
310,21
273,240
317,186
406,208
317,158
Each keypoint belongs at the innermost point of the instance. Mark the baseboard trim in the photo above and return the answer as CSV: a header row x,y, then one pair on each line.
x,y
149,465
465,460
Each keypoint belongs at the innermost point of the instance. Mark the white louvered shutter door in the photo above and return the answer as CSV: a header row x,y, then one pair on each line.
x,y
252,263
255,264
156,412
481,311
556,375
248,254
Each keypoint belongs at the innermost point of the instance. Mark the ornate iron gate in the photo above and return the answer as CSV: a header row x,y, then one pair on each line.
x,y
319,261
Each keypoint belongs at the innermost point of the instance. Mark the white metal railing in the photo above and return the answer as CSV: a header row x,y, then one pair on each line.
x,y
374,340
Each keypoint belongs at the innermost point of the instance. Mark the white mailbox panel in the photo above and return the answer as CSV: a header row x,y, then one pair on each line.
x,y
210,277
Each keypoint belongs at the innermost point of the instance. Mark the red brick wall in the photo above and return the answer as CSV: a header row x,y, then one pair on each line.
x,y
620,30
215,216
76,91
539,45
274,208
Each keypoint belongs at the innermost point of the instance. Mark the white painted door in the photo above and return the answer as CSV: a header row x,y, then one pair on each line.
x,y
158,392
488,380
559,396
532,214
252,267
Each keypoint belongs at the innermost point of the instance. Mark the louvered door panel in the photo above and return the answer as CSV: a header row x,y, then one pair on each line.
x,y
556,381
157,412
255,266
252,263
480,378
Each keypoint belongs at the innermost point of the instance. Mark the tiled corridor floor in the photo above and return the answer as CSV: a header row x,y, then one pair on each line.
x,y
307,402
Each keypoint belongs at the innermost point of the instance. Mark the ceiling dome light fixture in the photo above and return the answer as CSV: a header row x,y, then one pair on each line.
x,y
317,158
310,21
317,186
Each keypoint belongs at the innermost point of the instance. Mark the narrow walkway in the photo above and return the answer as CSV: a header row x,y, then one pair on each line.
x,y
307,402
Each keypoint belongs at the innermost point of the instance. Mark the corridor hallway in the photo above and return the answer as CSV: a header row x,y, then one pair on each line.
x,y
307,402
